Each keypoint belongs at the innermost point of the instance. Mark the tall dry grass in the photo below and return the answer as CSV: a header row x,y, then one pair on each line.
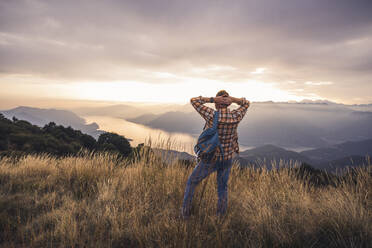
x,y
97,201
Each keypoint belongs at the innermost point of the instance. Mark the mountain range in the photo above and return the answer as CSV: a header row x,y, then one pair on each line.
x,y
290,125
321,126
349,154
329,158
130,110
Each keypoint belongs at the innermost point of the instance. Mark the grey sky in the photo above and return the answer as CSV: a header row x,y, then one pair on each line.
x,y
321,47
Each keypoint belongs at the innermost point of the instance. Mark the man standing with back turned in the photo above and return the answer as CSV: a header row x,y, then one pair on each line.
x,y
227,132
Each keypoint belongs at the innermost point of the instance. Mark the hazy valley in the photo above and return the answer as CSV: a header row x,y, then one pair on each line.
x,y
323,134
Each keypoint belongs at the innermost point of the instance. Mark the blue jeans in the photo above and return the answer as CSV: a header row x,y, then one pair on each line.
x,y
201,171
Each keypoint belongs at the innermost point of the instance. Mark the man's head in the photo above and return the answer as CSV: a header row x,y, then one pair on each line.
x,y
222,93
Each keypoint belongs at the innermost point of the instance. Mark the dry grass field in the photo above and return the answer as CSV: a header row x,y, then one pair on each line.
x,y
97,201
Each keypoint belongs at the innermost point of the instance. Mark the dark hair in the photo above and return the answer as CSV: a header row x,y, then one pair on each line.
x,y
222,93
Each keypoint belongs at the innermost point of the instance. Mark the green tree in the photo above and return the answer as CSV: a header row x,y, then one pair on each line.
x,y
114,143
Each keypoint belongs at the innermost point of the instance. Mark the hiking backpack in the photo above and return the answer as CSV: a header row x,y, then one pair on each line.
x,y
208,142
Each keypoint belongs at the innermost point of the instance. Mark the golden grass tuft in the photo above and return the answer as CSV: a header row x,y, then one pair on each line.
x,y
96,200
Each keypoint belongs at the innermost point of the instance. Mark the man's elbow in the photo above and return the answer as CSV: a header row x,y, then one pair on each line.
x,y
193,100
246,104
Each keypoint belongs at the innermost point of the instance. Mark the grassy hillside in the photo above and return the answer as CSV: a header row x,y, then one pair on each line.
x,y
96,201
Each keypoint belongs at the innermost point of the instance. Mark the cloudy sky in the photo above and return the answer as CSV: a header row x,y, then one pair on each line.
x,y
170,50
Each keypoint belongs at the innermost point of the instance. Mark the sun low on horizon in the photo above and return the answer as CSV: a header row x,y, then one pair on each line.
x,y
136,91
172,89
181,92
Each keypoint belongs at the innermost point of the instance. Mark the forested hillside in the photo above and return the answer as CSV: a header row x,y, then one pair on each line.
x,y
21,137
41,117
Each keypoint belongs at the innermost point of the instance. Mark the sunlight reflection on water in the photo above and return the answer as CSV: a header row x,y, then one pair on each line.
x,y
142,134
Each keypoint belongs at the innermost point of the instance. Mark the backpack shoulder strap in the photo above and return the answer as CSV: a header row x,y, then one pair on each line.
x,y
215,118
215,122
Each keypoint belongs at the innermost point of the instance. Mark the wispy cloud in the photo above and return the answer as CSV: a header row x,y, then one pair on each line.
x,y
318,83
259,70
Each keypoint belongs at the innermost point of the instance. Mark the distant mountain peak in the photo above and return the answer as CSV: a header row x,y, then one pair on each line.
x,y
302,102
268,148
316,101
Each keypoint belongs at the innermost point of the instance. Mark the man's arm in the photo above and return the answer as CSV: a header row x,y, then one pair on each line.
x,y
204,111
240,112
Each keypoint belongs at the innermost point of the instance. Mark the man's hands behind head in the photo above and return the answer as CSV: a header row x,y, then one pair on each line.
x,y
227,100
223,100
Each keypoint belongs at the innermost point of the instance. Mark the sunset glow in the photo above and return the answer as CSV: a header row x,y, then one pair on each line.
x,y
153,51
178,92
145,92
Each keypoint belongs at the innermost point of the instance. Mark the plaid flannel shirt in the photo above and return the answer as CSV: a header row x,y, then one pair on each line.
x,y
227,125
